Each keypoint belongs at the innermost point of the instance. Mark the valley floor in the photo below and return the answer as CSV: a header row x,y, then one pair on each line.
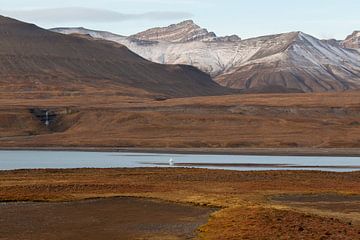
x,y
253,205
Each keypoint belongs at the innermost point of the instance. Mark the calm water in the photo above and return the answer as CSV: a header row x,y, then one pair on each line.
x,y
10,160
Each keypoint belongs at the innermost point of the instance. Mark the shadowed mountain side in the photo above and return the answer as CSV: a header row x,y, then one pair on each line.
x,y
34,59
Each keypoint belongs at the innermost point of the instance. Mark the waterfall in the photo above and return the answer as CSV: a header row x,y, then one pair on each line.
x,y
47,118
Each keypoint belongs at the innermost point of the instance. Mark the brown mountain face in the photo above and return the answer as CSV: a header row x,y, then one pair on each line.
x,y
33,59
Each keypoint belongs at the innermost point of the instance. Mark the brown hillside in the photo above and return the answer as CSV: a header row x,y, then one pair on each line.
x,y
34,59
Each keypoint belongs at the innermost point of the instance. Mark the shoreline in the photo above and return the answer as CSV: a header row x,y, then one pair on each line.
x,y
301,152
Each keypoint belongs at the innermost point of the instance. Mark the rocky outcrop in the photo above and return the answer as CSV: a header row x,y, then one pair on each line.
x,y
183,32
352,41
177,33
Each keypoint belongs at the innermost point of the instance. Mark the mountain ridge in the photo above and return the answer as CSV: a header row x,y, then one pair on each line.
x,y
185,31
293,60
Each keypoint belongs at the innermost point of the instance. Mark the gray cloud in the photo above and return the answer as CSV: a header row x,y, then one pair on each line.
x,y
81,15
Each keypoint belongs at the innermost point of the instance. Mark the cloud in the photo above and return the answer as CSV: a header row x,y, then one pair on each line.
x,y
81,15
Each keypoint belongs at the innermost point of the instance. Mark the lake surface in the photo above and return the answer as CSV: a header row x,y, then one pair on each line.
x,y
11,160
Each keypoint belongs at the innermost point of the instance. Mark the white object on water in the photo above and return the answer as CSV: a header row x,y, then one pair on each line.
x,y
171,162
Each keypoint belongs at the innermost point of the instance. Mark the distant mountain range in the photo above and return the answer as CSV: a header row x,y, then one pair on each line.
x,y
294,61
34,59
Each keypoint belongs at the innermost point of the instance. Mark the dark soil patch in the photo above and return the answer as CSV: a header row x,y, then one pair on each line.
x,y
115,218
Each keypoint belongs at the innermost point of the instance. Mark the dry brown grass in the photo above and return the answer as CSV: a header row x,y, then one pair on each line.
x,y
328,120
249,212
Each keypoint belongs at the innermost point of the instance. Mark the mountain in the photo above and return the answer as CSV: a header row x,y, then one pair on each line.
x,y
185,31
352,41
285,62
183,43
33,59
294,61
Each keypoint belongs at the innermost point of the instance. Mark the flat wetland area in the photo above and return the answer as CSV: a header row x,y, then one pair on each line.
x,y
241,205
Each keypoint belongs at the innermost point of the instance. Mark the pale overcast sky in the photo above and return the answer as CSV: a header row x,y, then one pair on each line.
x,y
247,18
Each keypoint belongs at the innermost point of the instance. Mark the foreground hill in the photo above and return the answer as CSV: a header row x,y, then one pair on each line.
x,y
285,62
33,59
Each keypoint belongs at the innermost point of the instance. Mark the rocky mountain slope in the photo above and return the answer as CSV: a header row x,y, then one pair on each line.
x,y
285,62
185,31
182,32
352,41
295,61
33,59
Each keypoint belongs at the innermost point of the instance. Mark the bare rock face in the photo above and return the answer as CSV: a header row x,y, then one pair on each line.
x,y
232,38
182,32
352,41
